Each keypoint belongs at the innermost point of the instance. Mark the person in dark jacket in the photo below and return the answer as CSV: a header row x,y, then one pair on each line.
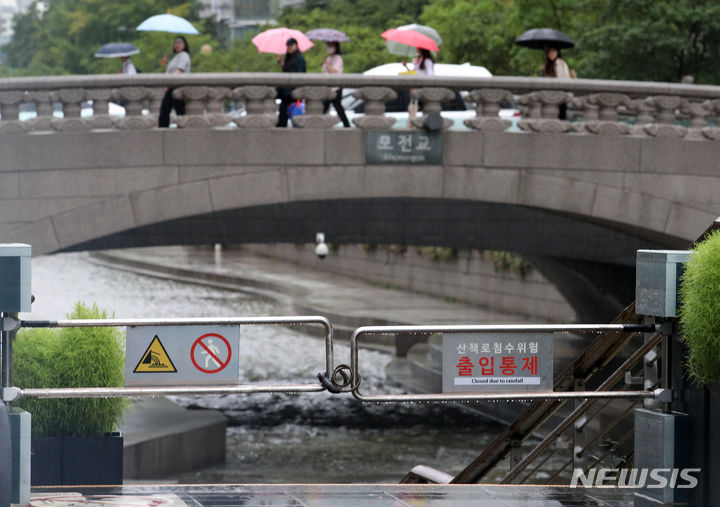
x,y
294,61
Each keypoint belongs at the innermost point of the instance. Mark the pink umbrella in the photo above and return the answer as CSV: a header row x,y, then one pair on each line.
x,y
273,40
410,38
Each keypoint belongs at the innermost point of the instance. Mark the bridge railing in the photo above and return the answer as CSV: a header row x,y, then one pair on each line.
x,y
597,107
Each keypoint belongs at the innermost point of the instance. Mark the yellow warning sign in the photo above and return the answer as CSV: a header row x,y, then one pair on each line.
x,y
155,359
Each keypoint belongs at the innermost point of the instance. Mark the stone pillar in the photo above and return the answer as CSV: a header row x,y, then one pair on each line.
x,y
133,98
101,111
44,108
487,108
546,103
605,121
198,100
432,99
10,107
259,106
71,99
375,98
665,105
315,97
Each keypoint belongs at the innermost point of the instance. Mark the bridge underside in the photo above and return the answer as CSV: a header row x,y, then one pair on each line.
x,y
592,264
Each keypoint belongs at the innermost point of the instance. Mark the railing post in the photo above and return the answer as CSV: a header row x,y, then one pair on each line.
x,y
132,98
546,104
10,104
487,102
71,99
101,108
375,98
44,107
315,97
665,105
432,98
259,106
604,117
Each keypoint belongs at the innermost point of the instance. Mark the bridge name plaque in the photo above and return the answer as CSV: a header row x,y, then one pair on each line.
x,y
497,362
385,147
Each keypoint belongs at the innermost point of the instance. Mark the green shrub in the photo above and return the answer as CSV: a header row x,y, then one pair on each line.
x,y
71,357
700,311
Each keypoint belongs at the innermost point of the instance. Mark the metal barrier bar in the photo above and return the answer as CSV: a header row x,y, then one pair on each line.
x,y
12,393
131,392
509,328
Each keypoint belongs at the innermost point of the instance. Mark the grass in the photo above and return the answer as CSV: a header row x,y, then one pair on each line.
x,y
71,357
700,311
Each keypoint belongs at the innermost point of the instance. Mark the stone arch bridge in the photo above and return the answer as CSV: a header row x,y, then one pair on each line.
x,y
637,167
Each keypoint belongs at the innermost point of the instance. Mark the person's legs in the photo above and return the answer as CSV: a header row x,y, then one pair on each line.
x,y
282,111
165,107
179,106
562,111
326,106
337,104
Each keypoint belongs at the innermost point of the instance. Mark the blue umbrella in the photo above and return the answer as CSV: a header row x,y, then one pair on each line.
x,y
116,50
167,23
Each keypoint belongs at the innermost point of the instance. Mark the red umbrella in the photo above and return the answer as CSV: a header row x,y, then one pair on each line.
x,y
273,40
410,38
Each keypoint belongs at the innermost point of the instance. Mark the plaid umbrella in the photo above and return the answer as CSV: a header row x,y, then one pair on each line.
x,y
327,35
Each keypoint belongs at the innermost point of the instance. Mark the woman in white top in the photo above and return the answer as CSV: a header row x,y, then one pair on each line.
x,y
178,65
333,64
127,66
423,65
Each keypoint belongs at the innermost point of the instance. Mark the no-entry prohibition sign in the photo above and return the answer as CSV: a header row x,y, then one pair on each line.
x,y
213,351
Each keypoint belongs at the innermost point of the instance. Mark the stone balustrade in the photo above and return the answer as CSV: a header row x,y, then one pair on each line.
x,y
594,107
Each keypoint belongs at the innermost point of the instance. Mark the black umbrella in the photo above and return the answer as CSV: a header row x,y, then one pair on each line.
x,y
116,50
540,38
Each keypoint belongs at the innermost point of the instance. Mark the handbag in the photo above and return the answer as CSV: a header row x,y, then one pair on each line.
x,y
296,108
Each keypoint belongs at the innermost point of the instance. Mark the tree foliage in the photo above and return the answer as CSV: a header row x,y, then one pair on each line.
x,y
660,40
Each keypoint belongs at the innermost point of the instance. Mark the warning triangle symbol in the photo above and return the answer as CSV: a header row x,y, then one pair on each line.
x,y
155,359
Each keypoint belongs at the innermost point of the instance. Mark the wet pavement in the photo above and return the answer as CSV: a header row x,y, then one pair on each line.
x,y
321,495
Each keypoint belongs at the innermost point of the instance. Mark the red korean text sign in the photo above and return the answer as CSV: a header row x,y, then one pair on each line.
x,y
497,362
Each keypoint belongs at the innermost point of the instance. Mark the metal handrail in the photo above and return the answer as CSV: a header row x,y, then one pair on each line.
x,y
11,393
506,328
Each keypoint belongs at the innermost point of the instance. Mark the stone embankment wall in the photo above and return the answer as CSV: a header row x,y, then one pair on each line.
x,y
469,277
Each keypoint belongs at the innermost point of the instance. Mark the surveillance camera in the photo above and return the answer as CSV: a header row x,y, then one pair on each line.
x,y
321,250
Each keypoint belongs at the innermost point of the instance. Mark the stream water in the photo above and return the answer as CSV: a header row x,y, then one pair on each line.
x,y
314,438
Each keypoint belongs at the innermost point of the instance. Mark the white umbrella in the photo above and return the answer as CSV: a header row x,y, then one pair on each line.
x,y
167,23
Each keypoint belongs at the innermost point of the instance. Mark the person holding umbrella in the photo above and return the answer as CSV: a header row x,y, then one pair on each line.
x,y
333,64
122,50
294,61
127,66
550,41
178,65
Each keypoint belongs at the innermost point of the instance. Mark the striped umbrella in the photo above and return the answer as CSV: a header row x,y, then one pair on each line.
x,y
327,35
